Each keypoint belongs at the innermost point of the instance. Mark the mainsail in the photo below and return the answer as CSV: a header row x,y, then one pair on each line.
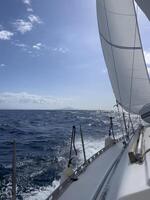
x,y
145,6
123,53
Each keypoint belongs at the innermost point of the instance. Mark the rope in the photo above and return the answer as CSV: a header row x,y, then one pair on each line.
x,y
144,154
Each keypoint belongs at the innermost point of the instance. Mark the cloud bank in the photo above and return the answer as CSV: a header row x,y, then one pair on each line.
x,y
23,100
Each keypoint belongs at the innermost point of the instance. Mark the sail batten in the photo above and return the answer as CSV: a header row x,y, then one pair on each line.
x,y
122,49
118,46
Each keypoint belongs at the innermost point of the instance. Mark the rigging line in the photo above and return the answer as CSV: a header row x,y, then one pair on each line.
x,y
133,61
125,125
123,116
120,121
72,145
112,53
129,122
132,125
83,147
74,135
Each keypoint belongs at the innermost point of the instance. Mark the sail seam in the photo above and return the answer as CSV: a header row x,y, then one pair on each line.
x,y
117,13
118,46
119,92
133,62
121,14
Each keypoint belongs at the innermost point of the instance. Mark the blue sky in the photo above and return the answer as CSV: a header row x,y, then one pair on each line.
x,y
51,55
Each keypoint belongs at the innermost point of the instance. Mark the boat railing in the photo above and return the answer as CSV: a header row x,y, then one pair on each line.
x,y
61,188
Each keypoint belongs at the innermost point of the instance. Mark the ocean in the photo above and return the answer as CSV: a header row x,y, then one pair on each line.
x,y
42,146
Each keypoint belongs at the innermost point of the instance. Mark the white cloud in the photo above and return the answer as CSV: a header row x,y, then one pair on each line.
x,y
21,45
147,57
23,26
2,65
38,46
28,5
34,19
29,9
30,101
27,2
61,49
5,35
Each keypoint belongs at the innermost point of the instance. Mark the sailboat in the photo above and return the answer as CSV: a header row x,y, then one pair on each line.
x,y
121,170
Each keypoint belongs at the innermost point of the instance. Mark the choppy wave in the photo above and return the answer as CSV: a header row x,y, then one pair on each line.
x,y
43,142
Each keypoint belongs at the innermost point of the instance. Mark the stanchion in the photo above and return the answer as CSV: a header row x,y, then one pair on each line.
x,y
82,144
14,172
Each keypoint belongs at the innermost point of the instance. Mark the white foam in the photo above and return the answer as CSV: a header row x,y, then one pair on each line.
x,y
43,193
91,147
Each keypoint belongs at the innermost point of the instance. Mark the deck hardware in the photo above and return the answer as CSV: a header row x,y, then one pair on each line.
x,y
139,150
135,153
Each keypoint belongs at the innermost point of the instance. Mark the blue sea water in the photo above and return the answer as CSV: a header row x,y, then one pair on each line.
x,y
43,142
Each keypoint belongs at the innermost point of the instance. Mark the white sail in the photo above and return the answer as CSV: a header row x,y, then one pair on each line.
x,y
145,6
123,53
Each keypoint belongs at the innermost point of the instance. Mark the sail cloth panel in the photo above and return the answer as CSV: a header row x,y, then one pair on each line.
x,y
123,53
145,6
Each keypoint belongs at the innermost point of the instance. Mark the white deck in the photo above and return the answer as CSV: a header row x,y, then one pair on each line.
x,y
89,181
132,181
128,182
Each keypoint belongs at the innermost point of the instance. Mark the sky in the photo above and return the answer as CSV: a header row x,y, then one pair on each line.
x,y
51,57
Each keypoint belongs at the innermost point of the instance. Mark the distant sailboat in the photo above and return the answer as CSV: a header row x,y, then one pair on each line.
x,y
120,171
